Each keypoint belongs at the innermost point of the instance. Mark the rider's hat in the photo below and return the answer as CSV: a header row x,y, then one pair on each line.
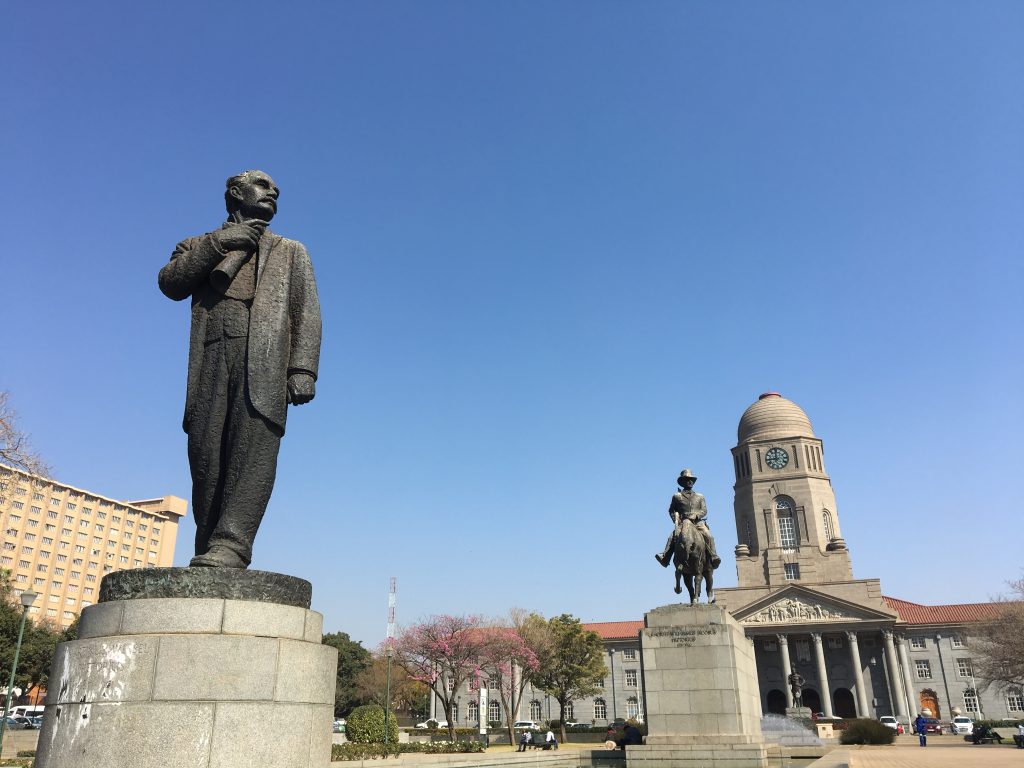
x,y
685,474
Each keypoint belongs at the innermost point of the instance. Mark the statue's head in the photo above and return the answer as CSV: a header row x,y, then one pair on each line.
x,y
253,194
686,479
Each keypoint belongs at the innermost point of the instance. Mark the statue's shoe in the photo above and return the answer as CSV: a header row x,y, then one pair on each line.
x,y
663,559
217,557
716,561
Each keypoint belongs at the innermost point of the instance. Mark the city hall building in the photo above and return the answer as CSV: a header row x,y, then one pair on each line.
x,y
861,653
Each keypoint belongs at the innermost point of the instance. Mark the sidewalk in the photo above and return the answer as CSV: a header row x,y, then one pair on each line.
x,y
941,752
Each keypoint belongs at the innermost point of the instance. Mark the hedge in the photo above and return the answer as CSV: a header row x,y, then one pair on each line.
x,y
867,732
365,725
351,751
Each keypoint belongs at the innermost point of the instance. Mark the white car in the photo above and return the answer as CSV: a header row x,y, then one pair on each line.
x,y
890,721
525,725
961,725
432,724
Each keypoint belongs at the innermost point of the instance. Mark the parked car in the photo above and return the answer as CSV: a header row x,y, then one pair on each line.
x,y
13,724
931,725
526,725
890,721
570,724
339,726
25,722
432,724
961,725
37,720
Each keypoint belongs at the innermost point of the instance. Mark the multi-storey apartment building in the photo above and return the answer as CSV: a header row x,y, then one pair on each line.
x,y
61,540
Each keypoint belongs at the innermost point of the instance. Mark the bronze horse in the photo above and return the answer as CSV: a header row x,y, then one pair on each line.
x,y
692,563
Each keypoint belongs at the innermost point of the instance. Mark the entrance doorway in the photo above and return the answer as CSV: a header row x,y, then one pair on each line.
x,y
844,706
775,702
812,700
930,701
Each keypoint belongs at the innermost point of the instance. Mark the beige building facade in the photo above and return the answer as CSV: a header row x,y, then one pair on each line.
x,y
61,540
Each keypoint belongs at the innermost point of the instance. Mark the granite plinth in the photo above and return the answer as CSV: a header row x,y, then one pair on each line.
x,y
191,682
217,583
700,682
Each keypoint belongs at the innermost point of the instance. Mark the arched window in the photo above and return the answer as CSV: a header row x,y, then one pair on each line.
x,y
455,712
535,713
784,513
600,710
494,711
1014,700
569,711
473,712
632,707
826,524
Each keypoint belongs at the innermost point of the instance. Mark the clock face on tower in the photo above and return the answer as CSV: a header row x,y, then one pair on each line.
x,y
776,458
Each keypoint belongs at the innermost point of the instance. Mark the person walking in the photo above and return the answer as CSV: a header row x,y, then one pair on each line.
x,y
1020,735
920,727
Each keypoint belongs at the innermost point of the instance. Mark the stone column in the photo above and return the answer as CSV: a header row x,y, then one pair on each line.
x,y
893,672
787,669
819,658
908,680
858,674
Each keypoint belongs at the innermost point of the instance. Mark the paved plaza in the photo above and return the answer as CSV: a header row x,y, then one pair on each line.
x,y
941,752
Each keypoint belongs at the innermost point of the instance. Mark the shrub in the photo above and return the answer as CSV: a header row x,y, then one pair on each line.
x,y
366,725
866,732
352,751
26,753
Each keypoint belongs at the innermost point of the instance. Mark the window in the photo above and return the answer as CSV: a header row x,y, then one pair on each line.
x,y
86,511
834,642
792,571
50,528
54,502
569,711
52,515
770,644
449,683
65,531
964,668
629,654
917,643
58,571
1014,700
803,649
600,683
24,563
6,560
494,711
473,712
924,669
600,710
787,523
124,560
21,577
535,711
72,507
971,700
632,707
91,576
631,678
958,641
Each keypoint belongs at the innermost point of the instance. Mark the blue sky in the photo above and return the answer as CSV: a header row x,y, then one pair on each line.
x,y
560,248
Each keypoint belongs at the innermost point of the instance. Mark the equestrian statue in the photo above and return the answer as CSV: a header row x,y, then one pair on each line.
x,y
690,546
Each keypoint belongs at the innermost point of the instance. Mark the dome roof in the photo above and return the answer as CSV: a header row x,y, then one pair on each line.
x,y
773,416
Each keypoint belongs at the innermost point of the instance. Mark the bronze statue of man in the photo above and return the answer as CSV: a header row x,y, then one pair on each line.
x,y
690,505
254,348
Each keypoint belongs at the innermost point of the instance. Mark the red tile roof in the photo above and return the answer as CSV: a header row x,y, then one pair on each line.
x,y
616,630
913,613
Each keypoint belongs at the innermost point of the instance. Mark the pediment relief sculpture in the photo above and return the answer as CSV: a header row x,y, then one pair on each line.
x,y
794,609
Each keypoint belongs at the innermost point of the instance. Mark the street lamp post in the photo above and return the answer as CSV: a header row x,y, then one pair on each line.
x,y
389,652
27,598
615,711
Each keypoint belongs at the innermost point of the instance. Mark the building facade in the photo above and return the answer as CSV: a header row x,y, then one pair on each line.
x,y
861,653
60,540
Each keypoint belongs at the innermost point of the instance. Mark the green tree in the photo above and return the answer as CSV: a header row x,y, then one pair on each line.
x,y
352,659
407,695
37,646
571,662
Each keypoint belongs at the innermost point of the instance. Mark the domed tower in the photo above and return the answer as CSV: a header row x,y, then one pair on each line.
x,y
786,521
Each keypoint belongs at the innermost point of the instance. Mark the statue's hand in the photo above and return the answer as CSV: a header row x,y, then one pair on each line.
x,y
242,236
301,388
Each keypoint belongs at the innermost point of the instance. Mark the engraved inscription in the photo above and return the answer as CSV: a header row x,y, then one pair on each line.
x,y
682,637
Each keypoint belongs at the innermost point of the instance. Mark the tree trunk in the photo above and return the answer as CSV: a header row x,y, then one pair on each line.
x,y
561,718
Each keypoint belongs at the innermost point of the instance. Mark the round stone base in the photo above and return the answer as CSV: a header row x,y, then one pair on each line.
x,y
221,583
191,682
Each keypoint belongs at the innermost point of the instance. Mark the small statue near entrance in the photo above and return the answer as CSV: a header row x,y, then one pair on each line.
x,y
690,546
796,687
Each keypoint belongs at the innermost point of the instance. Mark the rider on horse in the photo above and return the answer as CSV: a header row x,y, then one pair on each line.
x,y
689,505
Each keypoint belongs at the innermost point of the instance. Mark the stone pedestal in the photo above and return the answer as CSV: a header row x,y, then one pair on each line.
x,y
195,682
799,713
702,702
